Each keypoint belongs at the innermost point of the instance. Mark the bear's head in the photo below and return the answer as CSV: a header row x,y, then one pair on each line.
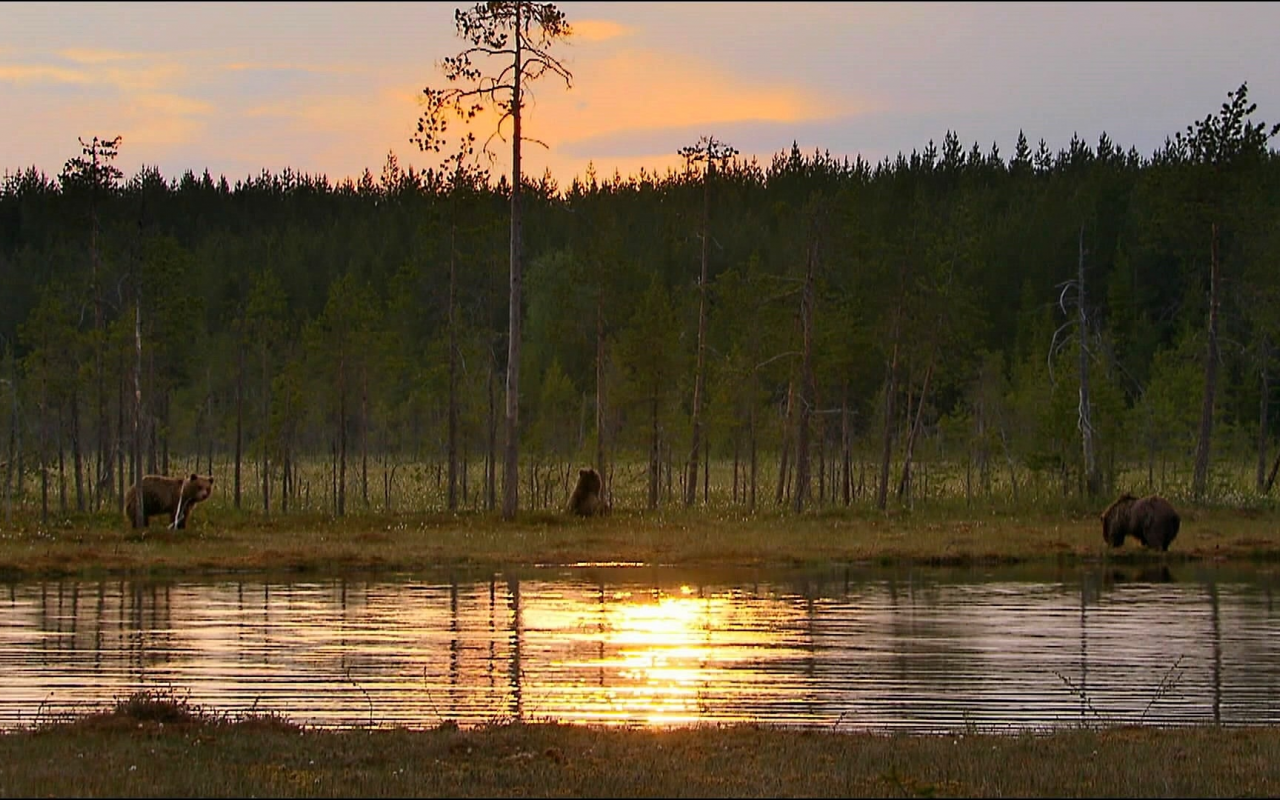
x,y
589,480
1115,520
197,488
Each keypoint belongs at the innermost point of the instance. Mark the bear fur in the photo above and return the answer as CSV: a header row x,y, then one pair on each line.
x,y
160,496
586,499
1151,520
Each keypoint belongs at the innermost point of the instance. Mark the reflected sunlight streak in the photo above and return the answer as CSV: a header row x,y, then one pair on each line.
x,y
667,654
622,647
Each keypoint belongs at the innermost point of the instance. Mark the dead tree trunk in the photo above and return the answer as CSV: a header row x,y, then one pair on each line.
x,y
77,457
511,445
266,428
691,483
600,388
1263,409
886,450
890,393
1091,477
491,451
807,389
784,466
845,456
239,422
655,453
364,436
904,480
1271,479
751,423
1200,476
340,489
140,513
452,445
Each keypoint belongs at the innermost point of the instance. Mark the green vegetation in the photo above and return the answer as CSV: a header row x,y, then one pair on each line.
x,y
158,746
1074,323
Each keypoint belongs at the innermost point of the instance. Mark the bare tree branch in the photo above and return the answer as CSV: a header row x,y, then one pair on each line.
x,y
490,28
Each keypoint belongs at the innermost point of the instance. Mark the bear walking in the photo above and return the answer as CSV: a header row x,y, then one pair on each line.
x,y
172,497
586,499
1151,520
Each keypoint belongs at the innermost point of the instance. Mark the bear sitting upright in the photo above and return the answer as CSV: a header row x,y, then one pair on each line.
x,y
586,499
172,497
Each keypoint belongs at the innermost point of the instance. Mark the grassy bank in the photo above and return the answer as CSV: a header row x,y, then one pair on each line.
x,y
146,746
223,541
153,747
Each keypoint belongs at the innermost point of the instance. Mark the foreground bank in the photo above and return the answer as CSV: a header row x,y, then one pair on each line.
x,y
149,748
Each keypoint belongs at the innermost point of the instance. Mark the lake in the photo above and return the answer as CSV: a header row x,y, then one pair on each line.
x,y
847,648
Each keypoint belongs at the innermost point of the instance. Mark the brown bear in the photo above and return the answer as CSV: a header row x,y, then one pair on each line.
x,y
172,497
586,499
1151,520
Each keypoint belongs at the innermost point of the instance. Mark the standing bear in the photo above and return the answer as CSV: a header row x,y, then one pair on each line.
x,y
1151,520
586,499
172,497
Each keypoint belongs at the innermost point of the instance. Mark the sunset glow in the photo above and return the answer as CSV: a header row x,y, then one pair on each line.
x,y
333,88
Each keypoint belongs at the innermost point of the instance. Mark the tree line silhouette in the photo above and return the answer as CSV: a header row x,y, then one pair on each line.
x,y
1079,319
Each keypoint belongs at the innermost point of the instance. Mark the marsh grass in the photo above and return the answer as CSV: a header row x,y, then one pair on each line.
x,y
416,487
1167,686
155,708
224,540
160,745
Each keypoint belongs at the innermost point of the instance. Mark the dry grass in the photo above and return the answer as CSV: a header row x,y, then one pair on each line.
x,y
222,540
158,746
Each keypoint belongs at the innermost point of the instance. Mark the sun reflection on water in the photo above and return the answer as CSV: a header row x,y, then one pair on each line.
x,y
592,647
649,652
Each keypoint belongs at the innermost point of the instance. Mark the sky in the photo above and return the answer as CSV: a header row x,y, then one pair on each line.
x,y
333,88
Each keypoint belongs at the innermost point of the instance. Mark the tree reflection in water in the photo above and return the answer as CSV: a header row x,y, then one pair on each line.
x,y
909,649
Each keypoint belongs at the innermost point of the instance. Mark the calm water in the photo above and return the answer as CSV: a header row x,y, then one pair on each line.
x,y
910,649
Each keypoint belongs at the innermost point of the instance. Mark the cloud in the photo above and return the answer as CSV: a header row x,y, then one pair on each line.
x,y
256,87
41,73
263,66
637,90
597,30
172,104
338,135
160,132
127,72
150,123
77,92
85,55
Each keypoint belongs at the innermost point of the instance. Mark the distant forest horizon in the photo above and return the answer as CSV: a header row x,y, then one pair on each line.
x,y
1074,322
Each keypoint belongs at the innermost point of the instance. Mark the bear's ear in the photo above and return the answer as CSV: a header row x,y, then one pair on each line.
x,y
194,477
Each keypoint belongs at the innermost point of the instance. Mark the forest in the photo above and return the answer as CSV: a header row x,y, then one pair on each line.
x,y
812,332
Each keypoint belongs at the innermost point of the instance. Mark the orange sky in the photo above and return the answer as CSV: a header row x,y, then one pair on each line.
x,y
331,88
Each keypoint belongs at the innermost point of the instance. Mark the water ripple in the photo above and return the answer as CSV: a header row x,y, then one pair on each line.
x,y
605,644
